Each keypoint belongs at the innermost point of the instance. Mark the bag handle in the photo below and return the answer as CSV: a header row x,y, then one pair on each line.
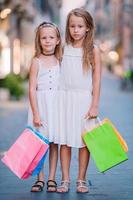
x,y
44,125
97,119
36,129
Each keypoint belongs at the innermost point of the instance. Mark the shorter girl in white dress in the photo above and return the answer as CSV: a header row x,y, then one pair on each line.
x,y
43,85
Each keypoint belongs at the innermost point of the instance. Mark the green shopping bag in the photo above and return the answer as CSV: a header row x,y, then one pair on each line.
x,y
104,146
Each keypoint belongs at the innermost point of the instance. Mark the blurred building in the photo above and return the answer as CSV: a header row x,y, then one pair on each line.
x,y
18,20
127,35
114,30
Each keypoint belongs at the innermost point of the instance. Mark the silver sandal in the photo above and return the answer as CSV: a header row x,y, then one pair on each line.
x,y
82,184
65,185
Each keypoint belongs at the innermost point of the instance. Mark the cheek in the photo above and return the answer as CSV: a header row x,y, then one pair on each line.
x,y
84,32
42,41
56,42
70,30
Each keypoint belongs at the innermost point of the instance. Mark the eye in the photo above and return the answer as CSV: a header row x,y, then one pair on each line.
x,y
44,38
51,37
72,26
80,26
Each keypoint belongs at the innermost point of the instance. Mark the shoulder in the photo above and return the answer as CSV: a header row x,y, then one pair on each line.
x,y
96,53
67,46
66,49
34,61
34,64
96,50
97,57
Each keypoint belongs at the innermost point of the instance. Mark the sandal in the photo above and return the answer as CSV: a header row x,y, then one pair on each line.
x,y
51,186
64,187
38,186
82,186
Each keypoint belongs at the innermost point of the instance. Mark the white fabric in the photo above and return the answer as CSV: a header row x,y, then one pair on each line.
x,y
47,85
74,98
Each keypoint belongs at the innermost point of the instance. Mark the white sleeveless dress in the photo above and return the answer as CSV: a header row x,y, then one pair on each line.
x,y
47,86
74,98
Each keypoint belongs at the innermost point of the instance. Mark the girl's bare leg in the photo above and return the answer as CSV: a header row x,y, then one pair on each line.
x,y
65,158
53,158
84,157
40,182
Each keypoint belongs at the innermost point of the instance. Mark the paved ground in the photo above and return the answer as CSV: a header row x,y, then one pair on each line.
x,y
116,184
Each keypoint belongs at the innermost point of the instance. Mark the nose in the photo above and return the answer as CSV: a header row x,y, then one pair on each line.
x,y
75,29
47,40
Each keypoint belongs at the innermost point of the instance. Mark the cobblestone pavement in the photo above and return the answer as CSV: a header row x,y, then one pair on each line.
x,y
115,184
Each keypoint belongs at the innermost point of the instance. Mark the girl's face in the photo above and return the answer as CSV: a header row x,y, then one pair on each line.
x,y
48,39
77,28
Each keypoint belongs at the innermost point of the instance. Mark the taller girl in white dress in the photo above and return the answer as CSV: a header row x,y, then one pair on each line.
x,y
79,93
43,85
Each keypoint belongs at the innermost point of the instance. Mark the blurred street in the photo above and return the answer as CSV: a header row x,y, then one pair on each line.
x,y
115,184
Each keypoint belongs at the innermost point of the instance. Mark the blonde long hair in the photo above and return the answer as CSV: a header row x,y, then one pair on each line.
x,y
88,57
38,48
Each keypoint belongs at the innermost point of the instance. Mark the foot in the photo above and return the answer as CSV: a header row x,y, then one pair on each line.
x,y
64,187
82,186
38,186
51,186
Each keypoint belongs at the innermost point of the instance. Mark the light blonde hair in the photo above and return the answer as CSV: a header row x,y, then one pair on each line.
x,y
38,48
88,57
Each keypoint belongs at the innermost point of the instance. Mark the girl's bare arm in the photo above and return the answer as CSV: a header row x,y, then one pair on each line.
x,y
96,78
96,82
32,91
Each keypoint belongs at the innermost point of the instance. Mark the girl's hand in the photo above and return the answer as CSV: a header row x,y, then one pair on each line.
x,y
92,113
37,120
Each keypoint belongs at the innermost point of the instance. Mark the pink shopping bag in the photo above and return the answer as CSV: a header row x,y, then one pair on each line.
x,y
25,154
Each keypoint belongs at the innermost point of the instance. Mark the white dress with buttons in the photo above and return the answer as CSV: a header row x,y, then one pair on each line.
x,y
75,96
47,86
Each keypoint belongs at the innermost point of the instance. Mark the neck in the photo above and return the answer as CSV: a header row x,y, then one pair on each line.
x,y
78,44
48,54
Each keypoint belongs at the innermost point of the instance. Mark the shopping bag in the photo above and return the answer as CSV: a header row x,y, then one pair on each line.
x,y
104,145
37,165
40,165
120,138
41,162
25,154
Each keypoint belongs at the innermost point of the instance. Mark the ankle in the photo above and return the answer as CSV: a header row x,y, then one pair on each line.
x,y
65,178
51,178
40,178
81,178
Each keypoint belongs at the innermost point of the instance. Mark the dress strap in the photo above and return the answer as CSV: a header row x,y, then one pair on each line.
x,y
39,66
38,61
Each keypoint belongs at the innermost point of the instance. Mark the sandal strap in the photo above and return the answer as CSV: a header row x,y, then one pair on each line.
x,y
40,182
81,183
52,181
50,185
65,184
36,185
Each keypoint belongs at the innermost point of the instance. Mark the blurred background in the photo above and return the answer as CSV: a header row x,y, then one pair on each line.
x,y
19,19
114,36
